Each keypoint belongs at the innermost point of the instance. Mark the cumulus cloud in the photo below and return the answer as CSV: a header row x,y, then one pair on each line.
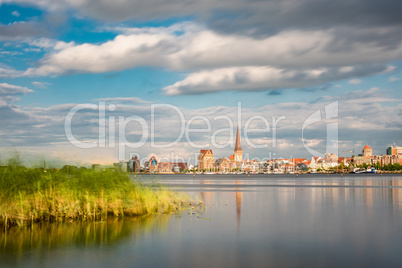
x,y
255,17
201,48
233,45
288,59
11,93
261,78
48,43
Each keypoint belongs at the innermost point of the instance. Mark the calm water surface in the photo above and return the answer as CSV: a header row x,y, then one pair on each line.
x,y
257,221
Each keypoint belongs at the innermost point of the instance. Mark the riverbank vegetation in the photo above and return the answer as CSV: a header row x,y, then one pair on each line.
x,y
28,196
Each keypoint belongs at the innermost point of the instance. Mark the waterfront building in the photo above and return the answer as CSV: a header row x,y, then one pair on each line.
x,y
314,164
190,167
221,165
302,166
397,150
152,165
331,158
367,151
134,164
231,159
297,161
391,159
206,160
179,167
345,161
165,167
358,160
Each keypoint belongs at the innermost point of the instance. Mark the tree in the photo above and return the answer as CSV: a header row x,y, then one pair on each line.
x,y
69,169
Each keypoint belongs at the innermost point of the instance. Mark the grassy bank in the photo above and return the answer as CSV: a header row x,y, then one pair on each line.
x,y
31,195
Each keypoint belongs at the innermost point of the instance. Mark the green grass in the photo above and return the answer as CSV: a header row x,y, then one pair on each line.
x,y
28,196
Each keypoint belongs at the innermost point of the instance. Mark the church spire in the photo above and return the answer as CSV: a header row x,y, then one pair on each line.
x,y
238,153
237,145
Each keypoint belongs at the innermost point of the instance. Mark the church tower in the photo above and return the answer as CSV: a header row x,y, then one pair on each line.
x,y
238,153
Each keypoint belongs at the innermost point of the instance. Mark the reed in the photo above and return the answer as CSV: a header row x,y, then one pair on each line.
x,y
28,196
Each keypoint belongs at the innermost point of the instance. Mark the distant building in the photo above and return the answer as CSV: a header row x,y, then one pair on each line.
x,y
134,164
358,160
231,159
206,160
221,165
315,162
331,158
179,167
165,167
390,159
190,167
152,165
367,151
394,150
302,166
297,161
344,160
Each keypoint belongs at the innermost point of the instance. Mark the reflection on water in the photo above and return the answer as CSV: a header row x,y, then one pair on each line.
x,y
257,221
238,204
208,197
16,242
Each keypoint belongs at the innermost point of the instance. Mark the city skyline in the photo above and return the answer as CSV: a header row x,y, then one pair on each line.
x,y
200,61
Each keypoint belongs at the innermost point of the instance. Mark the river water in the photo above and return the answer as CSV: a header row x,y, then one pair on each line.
x,y
257,221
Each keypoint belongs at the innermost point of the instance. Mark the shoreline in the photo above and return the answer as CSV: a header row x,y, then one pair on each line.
x,y
29,196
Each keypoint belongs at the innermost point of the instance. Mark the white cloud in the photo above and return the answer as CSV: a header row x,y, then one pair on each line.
x,y
41,84
200,48
15,13
7,89
12,93
393,78
124,100
256,78
355,81
244,78
200,51
51,44
9,73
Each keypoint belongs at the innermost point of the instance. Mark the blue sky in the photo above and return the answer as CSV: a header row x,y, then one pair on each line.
x,y
277,58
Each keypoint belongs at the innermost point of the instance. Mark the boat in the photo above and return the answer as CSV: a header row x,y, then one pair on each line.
x,y
371,170
359,171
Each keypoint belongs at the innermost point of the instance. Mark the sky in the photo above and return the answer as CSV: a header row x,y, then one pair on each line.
x,y
299,77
